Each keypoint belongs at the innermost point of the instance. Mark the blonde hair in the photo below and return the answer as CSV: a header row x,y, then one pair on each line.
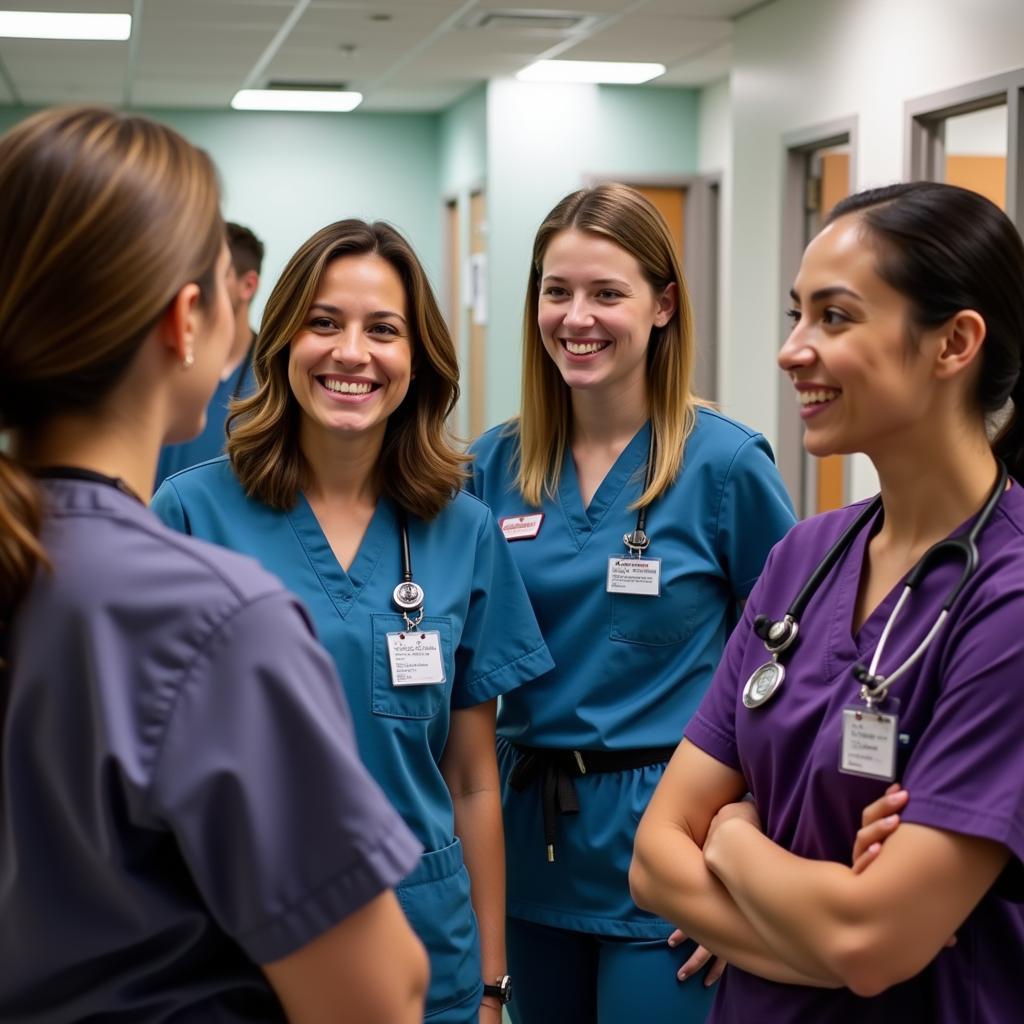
x,y
624,216
103,218
419,468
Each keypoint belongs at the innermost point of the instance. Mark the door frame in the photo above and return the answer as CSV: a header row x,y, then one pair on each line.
x,y
796,471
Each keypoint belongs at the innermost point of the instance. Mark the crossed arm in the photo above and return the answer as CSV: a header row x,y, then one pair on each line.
x,y
700,862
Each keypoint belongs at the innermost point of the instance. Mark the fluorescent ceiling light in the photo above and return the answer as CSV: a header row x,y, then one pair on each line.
x,y
54,25
608,72
296,99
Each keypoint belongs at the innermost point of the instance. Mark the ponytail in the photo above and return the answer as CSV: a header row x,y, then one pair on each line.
x,y
20,548
1008,444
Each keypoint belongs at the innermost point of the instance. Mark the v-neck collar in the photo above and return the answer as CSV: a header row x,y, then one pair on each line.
x,y
584,521
342,587
847,645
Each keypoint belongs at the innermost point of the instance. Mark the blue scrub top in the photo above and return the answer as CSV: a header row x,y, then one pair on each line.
x,y
210,443
631,670
474,598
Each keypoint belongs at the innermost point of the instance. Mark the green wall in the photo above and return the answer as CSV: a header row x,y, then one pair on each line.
x,y
287,175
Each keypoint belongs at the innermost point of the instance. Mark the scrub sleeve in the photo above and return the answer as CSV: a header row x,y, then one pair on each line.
x,y
960,755
490,644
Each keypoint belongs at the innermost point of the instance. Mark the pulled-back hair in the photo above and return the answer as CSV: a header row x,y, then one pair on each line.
x,y
103,218
947,249
622,215
419,467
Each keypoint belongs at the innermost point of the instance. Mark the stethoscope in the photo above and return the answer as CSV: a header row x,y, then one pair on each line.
x,y
408,596
780,636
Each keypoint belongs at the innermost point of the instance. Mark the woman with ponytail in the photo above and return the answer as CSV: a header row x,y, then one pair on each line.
x,y
156,692
907,344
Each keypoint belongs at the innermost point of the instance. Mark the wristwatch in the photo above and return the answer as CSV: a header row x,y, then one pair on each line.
x,y
500,990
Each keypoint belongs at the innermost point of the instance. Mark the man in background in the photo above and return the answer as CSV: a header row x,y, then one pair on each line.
x,y
236,379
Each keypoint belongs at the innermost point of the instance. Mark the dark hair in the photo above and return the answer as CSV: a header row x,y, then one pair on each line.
x,y
420,467
948,249
246,249
103,218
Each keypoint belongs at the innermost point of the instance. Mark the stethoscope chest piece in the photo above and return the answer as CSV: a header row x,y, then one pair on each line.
x,y
763,684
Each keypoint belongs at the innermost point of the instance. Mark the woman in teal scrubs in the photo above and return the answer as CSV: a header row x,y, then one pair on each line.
x,y
341,479
639,519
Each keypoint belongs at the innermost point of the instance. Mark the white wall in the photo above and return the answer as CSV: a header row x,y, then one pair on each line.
x,y
803,62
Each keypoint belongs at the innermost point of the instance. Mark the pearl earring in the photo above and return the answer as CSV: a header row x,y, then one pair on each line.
x,y
189,360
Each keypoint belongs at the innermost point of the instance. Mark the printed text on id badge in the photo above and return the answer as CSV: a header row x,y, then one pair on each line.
x,y
630,575
416,658
869,742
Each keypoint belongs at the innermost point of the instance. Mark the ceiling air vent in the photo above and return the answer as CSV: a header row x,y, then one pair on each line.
x,y
516,20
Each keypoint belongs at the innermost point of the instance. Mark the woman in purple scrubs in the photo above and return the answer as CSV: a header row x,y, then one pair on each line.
x,y
907,342
163,703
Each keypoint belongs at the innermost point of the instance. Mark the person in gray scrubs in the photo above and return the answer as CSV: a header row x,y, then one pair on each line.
x,y
186,832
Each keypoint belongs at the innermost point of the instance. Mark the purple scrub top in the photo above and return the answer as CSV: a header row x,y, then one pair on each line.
x,y
961,756
180,796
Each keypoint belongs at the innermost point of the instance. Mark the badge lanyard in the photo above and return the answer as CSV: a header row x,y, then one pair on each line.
x,y
635,573
415,655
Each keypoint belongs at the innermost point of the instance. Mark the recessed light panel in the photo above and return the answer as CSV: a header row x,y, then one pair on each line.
x,y
55,25
334,101
604,72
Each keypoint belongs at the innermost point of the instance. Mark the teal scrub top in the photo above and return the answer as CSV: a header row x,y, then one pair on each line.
x,y
631,669
474,599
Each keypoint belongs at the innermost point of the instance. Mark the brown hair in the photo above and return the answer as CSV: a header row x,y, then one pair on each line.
x,y
623,215
103,218
419,468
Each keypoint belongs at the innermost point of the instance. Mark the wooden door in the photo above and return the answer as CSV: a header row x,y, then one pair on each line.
x,y
830,476
478,315
670,202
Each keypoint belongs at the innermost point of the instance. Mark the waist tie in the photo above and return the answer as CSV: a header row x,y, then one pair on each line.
x,y
556,770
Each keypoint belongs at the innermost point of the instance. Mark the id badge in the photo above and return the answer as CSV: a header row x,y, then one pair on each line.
x,y
521,527
870,740
629,575
416,658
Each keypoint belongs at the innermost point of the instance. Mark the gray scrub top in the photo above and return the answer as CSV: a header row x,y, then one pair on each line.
x,y
180,794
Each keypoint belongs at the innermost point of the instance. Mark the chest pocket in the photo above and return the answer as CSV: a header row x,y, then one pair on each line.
x,y
688,599
423,701
655,621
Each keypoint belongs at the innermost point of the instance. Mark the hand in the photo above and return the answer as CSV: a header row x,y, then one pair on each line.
x,y
742,809
698,959
878,821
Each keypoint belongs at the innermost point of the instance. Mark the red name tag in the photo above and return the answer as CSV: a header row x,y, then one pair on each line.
x,y
521,527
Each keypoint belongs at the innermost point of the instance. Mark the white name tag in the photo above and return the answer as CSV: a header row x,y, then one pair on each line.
x,y
627,575
521,527
416,658
870,739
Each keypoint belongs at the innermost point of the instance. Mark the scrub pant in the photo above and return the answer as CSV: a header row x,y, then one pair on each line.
x,y
568,977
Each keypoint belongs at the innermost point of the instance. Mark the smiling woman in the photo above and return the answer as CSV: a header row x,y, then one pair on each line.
x,y
908,334
342,479
641,518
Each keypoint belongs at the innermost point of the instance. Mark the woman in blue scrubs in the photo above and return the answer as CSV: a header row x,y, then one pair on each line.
x,y
341,479
639,519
